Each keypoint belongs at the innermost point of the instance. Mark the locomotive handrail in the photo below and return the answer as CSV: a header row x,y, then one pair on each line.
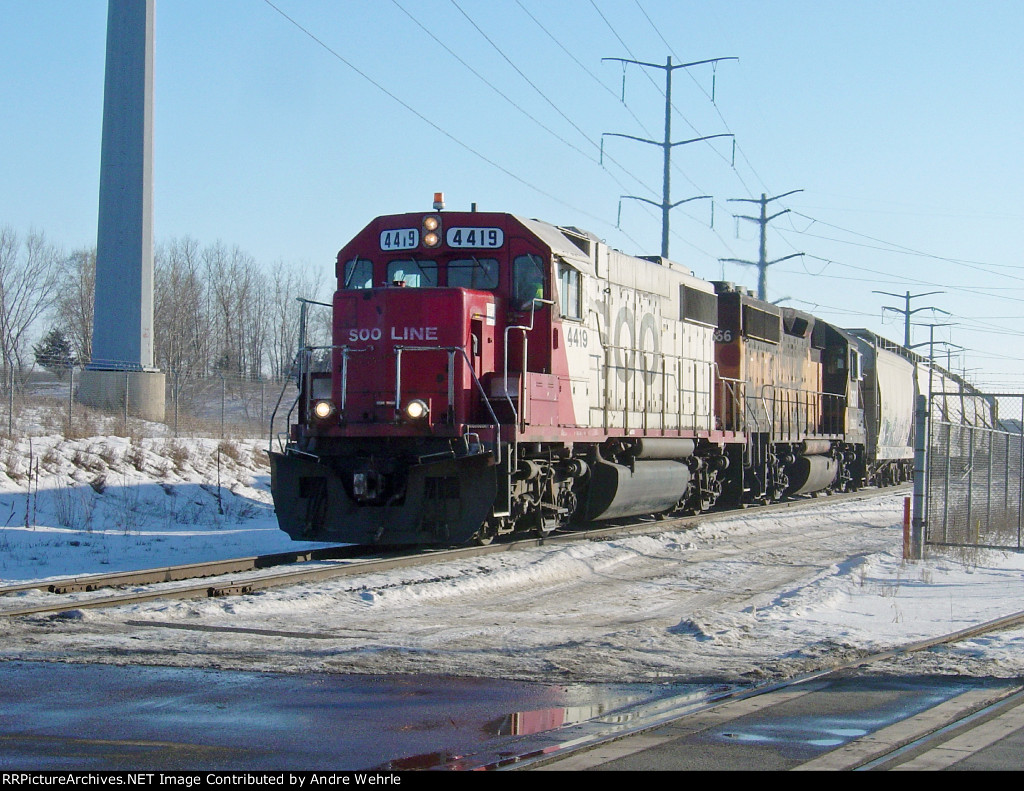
x,y
273,416
802,402
451,350
730,386
522,379
697,369
305,373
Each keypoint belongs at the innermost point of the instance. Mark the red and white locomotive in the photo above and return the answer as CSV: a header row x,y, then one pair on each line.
x,y
491,374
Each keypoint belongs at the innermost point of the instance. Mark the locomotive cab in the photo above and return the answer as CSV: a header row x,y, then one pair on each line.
x,y
440,324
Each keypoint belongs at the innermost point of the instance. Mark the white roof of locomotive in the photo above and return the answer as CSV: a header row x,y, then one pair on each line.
x,y
581,247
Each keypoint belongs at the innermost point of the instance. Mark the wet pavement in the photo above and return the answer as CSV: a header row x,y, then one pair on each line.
x,y
847,721
91,717
104,717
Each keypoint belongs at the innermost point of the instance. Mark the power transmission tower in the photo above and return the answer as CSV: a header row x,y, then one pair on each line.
x,y
907,312
666,204
762,262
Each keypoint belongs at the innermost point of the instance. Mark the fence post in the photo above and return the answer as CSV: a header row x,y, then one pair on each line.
x,y
127,379
972,534
1020,476
906,528
177,389
10,402
920,478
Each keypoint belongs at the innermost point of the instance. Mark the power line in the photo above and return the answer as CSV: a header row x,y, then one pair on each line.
x,y
892,246
907,311
667,144
427,121
762,220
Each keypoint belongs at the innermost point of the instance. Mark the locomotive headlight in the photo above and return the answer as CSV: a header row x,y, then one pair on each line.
x,y
431,230
323,410
416,409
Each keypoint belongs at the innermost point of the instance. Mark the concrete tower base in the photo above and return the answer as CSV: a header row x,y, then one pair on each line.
x,y
108,390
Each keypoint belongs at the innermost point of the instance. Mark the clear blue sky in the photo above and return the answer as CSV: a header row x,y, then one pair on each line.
x,y
900,121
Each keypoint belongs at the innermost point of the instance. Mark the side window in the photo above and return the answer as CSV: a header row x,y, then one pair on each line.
x,y
569,291
527,281
476,273
412,273
358,273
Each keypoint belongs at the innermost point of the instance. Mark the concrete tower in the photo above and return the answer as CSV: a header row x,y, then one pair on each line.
x,y
122,345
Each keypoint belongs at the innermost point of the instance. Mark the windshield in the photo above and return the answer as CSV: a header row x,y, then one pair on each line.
x,y
358,273
412,273
475,273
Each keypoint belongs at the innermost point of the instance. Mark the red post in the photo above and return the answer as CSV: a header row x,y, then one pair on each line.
x,y
906,528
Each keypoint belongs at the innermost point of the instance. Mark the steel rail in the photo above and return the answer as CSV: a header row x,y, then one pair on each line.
x,y
357,563
185,571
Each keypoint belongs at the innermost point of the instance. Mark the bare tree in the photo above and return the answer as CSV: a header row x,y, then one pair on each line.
x,y
75,301
283,317
181,314
29,276
234,282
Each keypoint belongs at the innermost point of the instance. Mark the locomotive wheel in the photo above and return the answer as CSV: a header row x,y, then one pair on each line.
x,y
485,535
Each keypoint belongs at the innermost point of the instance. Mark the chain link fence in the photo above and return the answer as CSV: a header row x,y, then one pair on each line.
x,y
974,491
220,406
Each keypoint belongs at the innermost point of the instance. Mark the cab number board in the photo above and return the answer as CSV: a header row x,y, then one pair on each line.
x,y
400,239
485,238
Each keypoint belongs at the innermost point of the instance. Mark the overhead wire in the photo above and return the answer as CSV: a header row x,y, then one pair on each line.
x,y
453,138
976,325
550,102
675,166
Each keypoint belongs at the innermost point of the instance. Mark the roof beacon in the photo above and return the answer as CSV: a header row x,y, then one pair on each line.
x,y
438,201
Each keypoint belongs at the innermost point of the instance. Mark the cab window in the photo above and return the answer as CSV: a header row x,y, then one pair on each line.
x,y
527,281
569,291
413,273
476,273
358,274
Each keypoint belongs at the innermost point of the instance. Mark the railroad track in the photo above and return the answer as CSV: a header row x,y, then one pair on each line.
x,y
970,720
239,576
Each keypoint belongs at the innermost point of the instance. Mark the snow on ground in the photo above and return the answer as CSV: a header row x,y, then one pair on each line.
x,y
756,596
104,504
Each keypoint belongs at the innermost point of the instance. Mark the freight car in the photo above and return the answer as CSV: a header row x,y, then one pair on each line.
x,y
491,374
893,377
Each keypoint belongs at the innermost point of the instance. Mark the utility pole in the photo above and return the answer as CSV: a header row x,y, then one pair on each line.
x,y
666,204
930,343
907,312
763,219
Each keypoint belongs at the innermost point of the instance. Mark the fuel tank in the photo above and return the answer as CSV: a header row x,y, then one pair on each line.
x,y
811,474
648,487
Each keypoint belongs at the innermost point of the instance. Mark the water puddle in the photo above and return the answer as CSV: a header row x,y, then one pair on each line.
x,y
124,717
